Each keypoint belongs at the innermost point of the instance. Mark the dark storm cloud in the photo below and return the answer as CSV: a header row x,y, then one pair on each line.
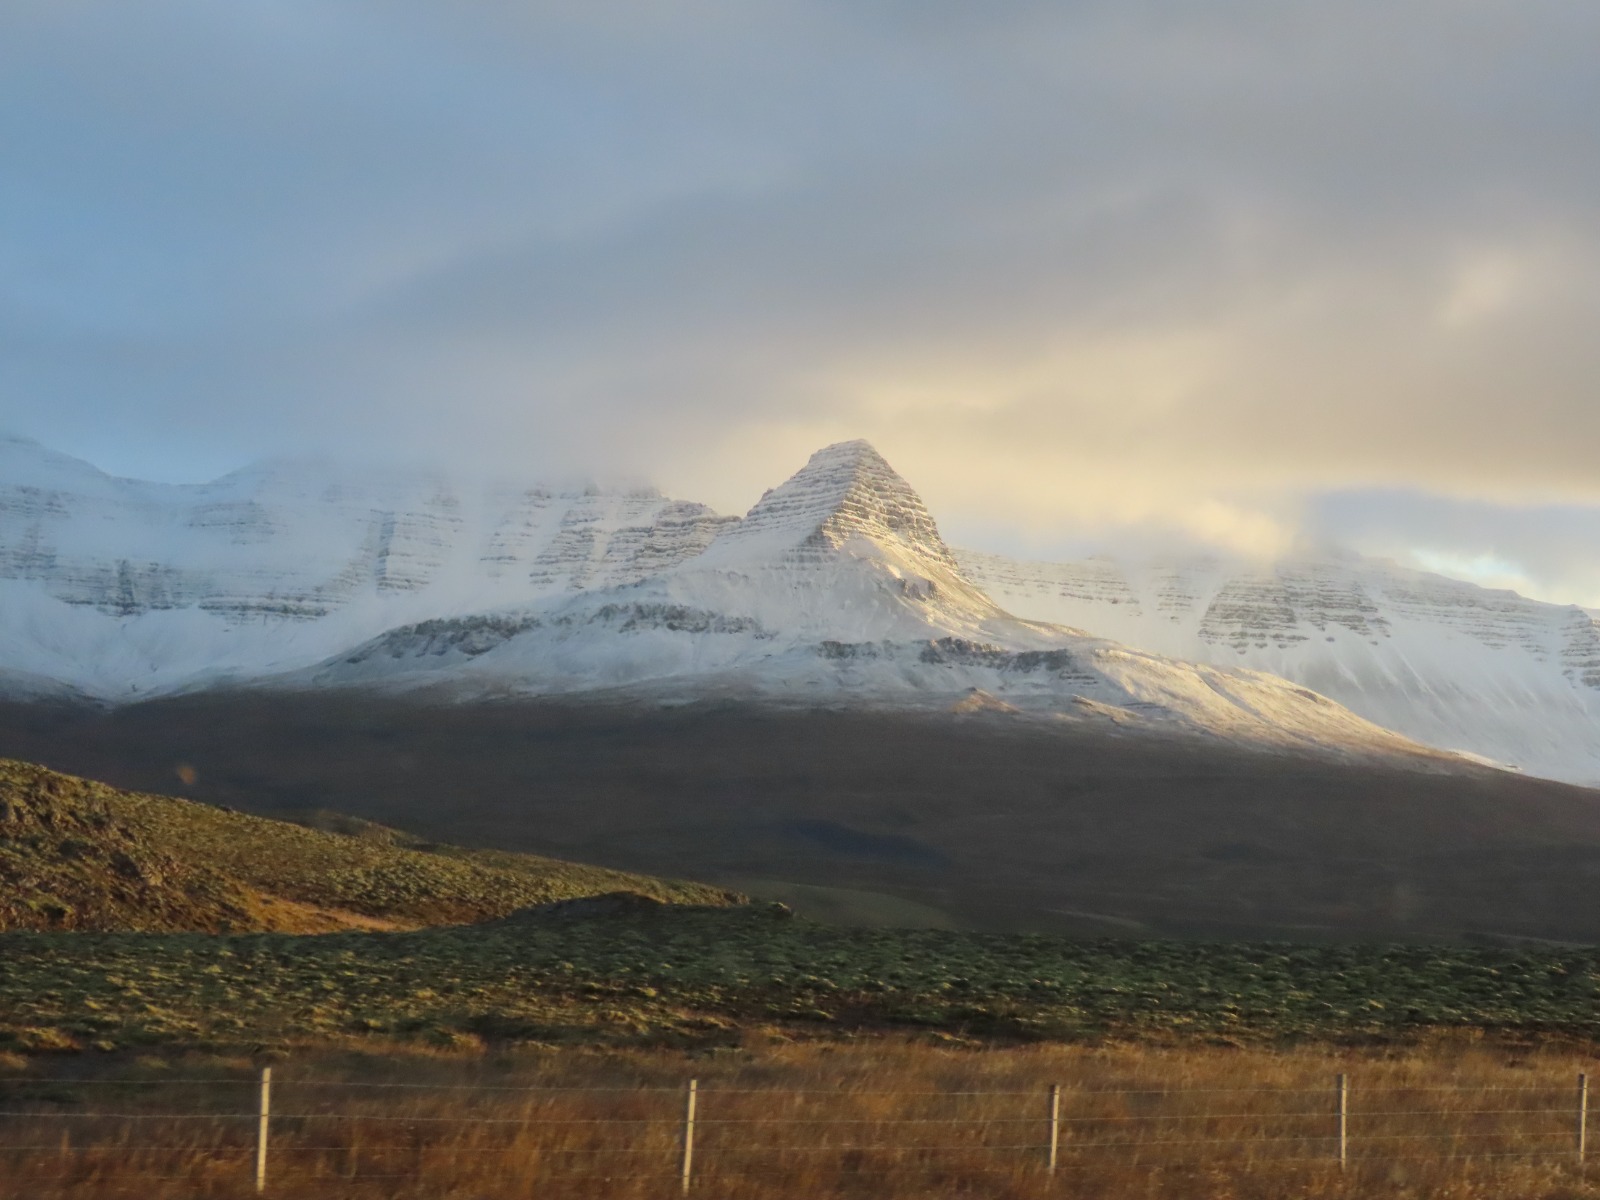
x,y
1069,264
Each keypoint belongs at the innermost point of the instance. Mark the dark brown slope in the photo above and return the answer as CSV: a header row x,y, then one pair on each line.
x,y
999,822
79,855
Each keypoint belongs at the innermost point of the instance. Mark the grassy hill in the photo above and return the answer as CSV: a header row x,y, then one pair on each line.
x,y
78,855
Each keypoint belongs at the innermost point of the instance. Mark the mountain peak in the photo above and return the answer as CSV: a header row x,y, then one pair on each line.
x,y
846,492
855,448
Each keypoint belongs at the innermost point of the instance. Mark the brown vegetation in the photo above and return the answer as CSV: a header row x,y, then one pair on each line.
x,y
879,1119
78,855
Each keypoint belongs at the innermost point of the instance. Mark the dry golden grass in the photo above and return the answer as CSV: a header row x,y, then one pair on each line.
x,y
879,1119
77,856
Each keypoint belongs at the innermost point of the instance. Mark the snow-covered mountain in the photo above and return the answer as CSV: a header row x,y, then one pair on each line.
x,y
836,587
837,584
120,588
1446,662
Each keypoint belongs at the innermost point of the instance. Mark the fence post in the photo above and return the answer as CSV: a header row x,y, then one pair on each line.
x,y
263,1118
1583,1117
1342,1088
1055,1127
688,1133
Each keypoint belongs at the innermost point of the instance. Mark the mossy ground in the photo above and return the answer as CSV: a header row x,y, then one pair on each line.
x,y
687,976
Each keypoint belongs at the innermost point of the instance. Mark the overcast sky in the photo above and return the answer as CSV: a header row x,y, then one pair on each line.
x,y
1090,274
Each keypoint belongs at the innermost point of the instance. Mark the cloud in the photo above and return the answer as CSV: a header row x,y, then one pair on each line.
x,y
1074,267
1544,551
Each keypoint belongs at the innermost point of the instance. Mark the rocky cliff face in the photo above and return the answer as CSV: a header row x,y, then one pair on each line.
x,y
546,542
295,542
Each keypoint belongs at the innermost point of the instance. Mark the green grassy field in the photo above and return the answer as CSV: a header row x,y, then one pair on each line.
x,y
685,976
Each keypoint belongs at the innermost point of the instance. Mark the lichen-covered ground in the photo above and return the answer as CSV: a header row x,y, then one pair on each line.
x,y
683,975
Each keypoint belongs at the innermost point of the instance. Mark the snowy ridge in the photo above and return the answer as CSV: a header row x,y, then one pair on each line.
x,y
673,652
1451,664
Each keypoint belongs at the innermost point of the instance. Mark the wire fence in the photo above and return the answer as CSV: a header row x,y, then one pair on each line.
x,y
263,1131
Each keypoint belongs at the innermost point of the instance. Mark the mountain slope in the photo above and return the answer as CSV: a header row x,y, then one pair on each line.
x,y
81,855
995,820
1448,663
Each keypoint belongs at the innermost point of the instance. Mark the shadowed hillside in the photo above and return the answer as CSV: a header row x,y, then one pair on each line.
x,y
83,856
982,820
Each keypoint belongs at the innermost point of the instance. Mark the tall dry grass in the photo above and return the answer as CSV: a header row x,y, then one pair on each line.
x,y
886,1120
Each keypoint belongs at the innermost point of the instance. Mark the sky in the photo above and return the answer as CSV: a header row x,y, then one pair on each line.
x,y
1243,275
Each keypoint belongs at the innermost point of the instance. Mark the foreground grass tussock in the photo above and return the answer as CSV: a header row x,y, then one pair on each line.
x,y
79,855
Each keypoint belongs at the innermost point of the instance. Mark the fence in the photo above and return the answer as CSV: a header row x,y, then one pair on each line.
x,y
259,1128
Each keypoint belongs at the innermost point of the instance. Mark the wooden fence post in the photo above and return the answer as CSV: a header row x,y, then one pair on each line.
x,y
688,1133
1342,1087
1583,1117
1055,1127
263,1119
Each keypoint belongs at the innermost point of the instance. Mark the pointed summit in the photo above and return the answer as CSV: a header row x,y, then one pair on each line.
x,y
847,493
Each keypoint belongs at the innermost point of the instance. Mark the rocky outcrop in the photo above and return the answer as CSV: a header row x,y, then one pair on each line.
x,y
555,542
1580,649
467,636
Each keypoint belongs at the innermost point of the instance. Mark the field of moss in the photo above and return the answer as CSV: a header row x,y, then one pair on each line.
x,y
687,976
